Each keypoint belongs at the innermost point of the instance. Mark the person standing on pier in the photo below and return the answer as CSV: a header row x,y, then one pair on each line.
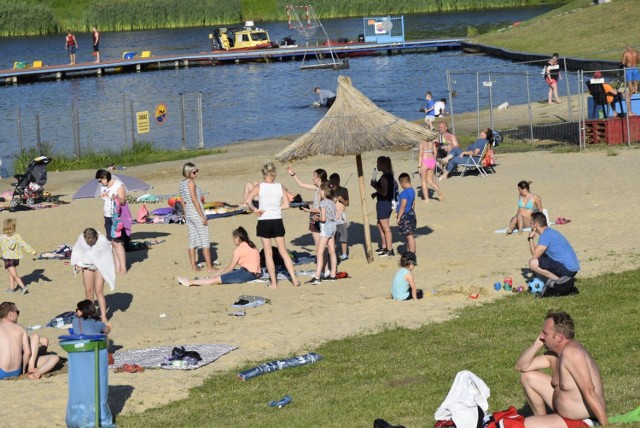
x,y
71,45
96,43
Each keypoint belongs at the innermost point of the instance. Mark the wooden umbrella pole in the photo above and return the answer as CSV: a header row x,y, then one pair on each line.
x,y
365,213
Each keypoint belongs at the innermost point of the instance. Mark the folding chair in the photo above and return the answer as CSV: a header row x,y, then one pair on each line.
x,y
475,162
599,99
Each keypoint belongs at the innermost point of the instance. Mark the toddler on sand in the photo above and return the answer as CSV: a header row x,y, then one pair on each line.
x,y
403,286
13,246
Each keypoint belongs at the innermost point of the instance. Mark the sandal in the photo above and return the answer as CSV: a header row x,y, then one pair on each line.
x,y
562,220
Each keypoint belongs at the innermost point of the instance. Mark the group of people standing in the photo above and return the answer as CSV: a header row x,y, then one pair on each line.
x,y
71,45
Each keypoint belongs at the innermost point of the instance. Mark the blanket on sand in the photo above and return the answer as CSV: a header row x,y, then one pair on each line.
x,y
153,357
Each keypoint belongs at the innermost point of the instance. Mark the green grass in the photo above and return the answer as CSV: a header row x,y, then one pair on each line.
x,y
578,29
403,375
51,16
142,153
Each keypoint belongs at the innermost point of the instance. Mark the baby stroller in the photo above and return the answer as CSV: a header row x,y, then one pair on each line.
x,y
29,188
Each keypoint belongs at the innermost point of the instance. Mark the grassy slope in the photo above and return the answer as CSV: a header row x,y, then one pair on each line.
x,y
403,375
578,29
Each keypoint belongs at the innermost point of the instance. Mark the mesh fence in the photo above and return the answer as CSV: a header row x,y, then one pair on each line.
x,y
92,125
525,109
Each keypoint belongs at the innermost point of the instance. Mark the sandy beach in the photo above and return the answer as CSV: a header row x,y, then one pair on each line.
x,y
458,253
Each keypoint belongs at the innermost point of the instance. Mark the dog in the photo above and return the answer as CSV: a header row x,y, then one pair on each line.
x,y
504,105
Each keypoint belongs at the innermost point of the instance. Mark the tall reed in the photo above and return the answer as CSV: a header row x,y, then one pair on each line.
x,y
119,15
26,18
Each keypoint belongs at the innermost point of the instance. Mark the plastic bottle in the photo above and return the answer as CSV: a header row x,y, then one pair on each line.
x,y
34,327
282,402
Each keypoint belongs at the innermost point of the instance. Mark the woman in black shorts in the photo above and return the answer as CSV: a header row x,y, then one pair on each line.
x,y
272,198
384,195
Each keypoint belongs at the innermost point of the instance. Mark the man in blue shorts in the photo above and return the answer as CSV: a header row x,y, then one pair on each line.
x,y
630,60
552,257
19,353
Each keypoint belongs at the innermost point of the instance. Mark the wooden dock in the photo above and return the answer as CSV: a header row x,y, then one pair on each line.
x,y
138,64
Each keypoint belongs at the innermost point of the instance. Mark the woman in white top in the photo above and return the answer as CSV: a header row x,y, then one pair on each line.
x,y
112,192
272,198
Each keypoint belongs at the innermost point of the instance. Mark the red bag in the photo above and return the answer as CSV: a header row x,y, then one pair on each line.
x,y
489,159
143,214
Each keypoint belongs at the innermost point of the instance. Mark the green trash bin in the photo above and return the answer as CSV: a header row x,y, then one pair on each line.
x,y
87,405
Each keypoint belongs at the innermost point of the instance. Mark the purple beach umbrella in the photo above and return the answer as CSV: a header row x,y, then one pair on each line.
x,y
91,189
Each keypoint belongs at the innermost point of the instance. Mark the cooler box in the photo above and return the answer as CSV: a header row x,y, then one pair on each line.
x,y
128,55
635,106
87,405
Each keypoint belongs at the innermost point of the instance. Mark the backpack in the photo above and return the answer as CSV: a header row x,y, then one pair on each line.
x,y
496,139
143,214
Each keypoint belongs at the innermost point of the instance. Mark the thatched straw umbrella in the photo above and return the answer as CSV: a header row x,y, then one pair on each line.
x,y
354,124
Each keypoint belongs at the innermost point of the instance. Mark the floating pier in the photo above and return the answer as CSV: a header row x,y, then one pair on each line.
x,y
147,63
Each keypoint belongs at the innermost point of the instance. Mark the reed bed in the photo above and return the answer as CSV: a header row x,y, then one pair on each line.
x,y
36,17
26,18
124,15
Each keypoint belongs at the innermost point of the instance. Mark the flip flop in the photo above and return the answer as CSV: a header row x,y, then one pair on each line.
x,y
562,220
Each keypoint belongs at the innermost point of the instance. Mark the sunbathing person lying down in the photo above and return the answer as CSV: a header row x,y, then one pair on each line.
x,y
246,256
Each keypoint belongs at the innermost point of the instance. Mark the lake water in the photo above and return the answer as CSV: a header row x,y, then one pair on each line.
x,y
240,102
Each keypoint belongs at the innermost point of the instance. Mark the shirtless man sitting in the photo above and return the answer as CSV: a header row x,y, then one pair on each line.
x,y
447,141
19,353
574,391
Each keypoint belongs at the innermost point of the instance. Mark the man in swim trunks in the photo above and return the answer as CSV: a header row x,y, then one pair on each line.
x,y
630,60
574,391
18,353
71,44
446,141
96,43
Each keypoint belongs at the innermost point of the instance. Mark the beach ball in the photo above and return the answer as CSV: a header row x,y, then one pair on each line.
x,y
536,285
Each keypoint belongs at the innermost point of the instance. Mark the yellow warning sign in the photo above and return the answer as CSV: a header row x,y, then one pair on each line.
x,y
161,113
142,122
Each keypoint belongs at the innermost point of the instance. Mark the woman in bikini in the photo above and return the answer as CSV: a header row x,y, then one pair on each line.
x,y
427,168
528,203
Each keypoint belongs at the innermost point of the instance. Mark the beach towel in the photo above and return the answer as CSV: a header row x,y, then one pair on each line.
x,y
100,255
632,416
250,301
224,212
154,357
63,251
272,366
524,229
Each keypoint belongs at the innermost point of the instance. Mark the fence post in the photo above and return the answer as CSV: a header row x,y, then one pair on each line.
x,y
478,102
184,126
490,102
38,142
570,113
453,123
133,131
582,134
530,111
124,120
21,145
200,124
76,130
